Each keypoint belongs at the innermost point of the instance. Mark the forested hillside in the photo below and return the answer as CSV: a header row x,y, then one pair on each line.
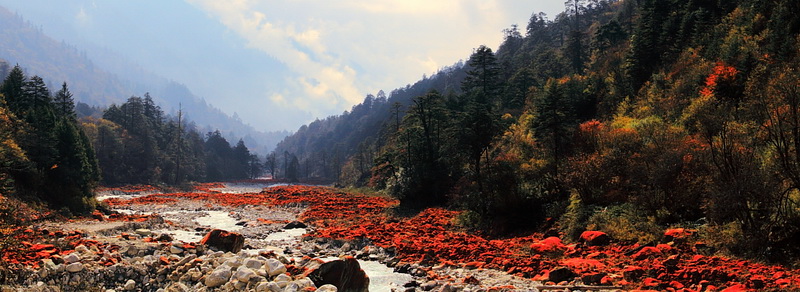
x,y
620,116
41,55
47,154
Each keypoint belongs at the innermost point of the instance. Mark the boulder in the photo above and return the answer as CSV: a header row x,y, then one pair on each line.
x,y
560,274
327,288
593,278
72,258
295,224
595,238
274,267
677,234
647,252
218,277
74,267
244,274
345,274
143,232
130,285
548,245
252,263
224,240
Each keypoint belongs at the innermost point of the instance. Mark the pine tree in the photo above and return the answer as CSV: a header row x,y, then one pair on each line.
x,y
12,89
65,104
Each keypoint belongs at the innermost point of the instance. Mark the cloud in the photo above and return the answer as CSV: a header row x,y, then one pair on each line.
x,y
339,51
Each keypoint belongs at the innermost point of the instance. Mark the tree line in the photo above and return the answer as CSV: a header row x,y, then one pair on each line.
x,y
44,153
137,143
621,116
47,153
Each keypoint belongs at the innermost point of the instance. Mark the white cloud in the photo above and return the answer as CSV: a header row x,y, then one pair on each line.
x,y
339,51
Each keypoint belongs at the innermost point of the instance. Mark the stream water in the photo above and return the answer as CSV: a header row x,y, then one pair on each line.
x,y
382,278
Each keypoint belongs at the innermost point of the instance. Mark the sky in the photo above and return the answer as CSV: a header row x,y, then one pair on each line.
x,y
281,64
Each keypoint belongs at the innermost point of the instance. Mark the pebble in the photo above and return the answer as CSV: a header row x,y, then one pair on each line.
x,y
175,250
244,274
327,288
275,267
252,263
218,277
74,267
130,285
72,258
143,232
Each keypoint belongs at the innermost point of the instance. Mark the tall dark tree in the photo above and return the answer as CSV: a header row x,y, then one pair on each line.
x,y
64,103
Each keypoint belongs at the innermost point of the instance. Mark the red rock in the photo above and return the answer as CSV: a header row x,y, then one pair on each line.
x,y
561,274
471,280
593,278
651,283
736,288
632,272
595,238
224,240
678,233
548,245
647,252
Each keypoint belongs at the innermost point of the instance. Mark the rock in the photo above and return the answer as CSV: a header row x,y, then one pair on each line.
x,y
305,283
548,245
74,267
446,288
224,240
218,277
295,224
561,274
327,288
275,267
49,265
72,258
130,285
595,238
592,278
282,280
175,250
647,252
677,233
178,287
428,286
632,273
143,232
346,274
244,274
81,248
163,237
252,264
268,287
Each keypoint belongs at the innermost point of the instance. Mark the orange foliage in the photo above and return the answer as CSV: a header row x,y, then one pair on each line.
x,y
720,73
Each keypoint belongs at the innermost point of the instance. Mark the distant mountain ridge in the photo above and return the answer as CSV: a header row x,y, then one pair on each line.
x,y
57,62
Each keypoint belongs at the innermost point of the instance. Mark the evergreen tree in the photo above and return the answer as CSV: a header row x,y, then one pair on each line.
x,y
12,89
64,103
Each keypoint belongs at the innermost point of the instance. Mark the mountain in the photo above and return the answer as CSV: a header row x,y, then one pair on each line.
x,y
55,61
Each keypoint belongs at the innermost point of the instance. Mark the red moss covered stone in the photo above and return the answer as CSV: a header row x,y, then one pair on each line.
x,y
224,240
595,238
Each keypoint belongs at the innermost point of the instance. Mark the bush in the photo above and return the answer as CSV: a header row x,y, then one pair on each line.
x,y
626,223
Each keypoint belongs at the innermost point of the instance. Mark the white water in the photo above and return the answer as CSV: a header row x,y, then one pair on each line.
x,y
381,277
286,234
241,188
218,220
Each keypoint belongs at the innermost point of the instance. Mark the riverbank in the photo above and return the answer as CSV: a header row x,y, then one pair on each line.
x,y
153,244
